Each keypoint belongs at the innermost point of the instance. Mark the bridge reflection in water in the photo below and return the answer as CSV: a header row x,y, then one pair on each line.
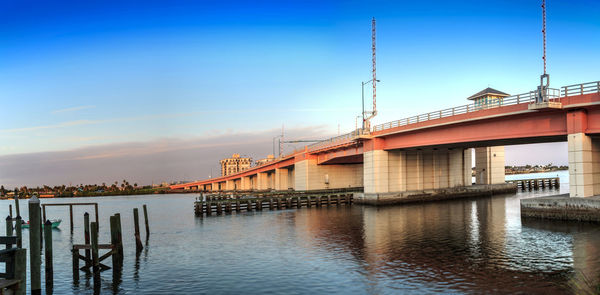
x,y
476,245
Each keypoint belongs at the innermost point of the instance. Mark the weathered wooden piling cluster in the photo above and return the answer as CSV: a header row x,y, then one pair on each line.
x,y
217,204
13,279
537,183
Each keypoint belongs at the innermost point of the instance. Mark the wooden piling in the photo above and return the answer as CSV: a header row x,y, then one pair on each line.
x,y
86,235
75,256
9,226
308,201
71,217
219,208
271,204
298,202
114,241
119,236
10,210
35,249
17,210
208,208
48,257
237,206
146,221
21,270
95,258
249,207
19,232
136,222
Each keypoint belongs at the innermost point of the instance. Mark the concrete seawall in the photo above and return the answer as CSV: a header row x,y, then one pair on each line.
x,y
562,207
383,199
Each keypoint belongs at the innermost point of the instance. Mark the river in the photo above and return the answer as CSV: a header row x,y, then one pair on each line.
x,y
478,245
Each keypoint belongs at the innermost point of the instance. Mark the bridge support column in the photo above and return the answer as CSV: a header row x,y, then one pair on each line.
x,y
308,175
489,165
245,183
281,179
261,181
584,165
229,185
376,171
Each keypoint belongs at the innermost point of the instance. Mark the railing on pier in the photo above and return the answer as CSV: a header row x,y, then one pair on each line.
x,y
536,183
248,203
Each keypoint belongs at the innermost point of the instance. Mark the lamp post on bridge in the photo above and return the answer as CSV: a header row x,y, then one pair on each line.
x,y
363,100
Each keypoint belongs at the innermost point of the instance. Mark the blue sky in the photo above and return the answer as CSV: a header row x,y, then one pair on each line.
x,y
97,73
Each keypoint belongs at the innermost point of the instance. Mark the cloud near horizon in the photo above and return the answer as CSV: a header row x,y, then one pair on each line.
x,y
166,159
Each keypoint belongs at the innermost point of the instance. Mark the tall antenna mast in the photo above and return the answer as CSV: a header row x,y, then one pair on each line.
x,y
367,121
374,68
544,31
542,94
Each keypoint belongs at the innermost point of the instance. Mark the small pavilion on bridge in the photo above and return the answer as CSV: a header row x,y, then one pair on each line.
x,y
488,98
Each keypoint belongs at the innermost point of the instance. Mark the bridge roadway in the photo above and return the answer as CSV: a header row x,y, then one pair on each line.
x,y
433,151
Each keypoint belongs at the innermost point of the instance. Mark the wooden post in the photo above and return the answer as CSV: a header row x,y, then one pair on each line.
x,y
18,232
35,258
96,211
48,257
298,203
95,262
208,209
10,210
114,241
43,211
237,206
219,208
249,207
21,270
271,204
136,222
86,235
17,211
318,201
308,201
337,200
146,220
71,216
119,237
75,256
328,200
9,226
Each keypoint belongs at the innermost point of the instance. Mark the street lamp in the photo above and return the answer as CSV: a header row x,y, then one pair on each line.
x,y
363,100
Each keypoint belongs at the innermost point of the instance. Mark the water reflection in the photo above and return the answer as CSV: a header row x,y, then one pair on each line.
x,y
464,245
476,245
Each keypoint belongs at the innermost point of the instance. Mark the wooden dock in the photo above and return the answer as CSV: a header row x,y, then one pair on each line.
x,y
536,183
217,204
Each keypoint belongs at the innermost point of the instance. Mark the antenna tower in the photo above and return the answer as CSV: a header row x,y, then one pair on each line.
x,y
374,68
367,121
542,94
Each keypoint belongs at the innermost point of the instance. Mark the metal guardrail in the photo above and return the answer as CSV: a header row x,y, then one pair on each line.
x,y
348,136
529,97
524,98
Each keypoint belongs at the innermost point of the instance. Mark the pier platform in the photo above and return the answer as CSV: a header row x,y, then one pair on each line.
x,y
383,199
562,207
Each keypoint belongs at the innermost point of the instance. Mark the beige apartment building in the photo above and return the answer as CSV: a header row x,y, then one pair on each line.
x,y
235,164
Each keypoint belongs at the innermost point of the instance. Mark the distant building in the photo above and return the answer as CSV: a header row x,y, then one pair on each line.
x,y
235,164
488,98
268,159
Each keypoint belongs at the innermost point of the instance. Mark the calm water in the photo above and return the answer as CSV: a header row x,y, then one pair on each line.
x,y
464,246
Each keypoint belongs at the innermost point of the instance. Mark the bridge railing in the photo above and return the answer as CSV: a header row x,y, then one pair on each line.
x,y
523,98
580,89
348,136
528,97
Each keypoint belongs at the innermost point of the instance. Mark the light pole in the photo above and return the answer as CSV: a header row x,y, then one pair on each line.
x,y
278,136
363,100
356,123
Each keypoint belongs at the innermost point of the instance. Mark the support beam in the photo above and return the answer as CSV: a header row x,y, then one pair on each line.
x,y
584,165
489,165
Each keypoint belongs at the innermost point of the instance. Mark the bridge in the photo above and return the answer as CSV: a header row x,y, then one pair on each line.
x,y
433,151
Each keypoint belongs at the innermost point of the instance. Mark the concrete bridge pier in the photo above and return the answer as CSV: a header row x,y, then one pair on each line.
x,y
489,165
584,165
401,176
309,175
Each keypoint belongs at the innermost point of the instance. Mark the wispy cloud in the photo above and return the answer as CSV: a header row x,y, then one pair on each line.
x,y
79,108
